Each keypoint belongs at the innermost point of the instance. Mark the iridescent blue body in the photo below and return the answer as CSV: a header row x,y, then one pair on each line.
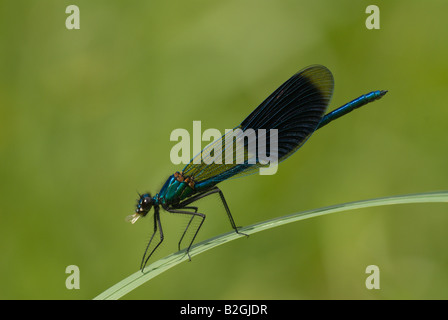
x,y
173,191
296,109
350,106
176,189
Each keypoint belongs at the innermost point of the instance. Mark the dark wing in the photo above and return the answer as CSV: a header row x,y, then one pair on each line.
x,y
294,109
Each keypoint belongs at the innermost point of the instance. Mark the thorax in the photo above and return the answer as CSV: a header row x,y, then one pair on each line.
x,y
176,188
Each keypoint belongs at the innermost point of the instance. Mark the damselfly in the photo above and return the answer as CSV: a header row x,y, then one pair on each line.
x,y
296,110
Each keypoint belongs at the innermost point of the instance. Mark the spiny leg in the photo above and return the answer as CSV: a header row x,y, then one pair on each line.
x,y
232,222
193,214
157,224
221,195
188,225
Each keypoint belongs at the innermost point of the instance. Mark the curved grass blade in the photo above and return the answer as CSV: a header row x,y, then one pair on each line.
x,y
137,279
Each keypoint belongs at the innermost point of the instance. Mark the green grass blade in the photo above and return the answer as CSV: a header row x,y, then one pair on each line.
x,y
137,279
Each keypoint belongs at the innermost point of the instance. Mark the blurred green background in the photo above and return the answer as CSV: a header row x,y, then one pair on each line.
x,y
86,117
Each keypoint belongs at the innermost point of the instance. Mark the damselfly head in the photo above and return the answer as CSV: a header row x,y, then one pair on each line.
x,y
144,205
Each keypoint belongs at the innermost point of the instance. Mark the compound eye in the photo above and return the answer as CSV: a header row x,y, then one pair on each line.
x,y
146,203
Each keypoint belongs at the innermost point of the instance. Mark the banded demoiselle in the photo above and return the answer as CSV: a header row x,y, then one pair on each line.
x,y
296,109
